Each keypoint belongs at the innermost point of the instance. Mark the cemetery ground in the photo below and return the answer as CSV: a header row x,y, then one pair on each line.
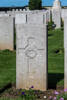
x,y
55,71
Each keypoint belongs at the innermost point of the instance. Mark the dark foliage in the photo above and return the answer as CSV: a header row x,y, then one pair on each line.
x,y
35,4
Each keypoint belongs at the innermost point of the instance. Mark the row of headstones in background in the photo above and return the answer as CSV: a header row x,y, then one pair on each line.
x,y
7,25
13,13
31,51
57,5
7,30
56,13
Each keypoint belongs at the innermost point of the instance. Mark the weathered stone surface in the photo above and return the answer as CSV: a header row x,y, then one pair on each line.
x,y
65,69
57,4
48,13
31,59
56,13
35,18
6,33
63,13
4,15
65,32
65,55
56,17
14,12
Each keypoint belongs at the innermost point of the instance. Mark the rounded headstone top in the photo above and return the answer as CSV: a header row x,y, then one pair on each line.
x,y
57,4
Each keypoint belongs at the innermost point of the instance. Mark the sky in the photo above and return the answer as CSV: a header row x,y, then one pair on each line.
x,y
50,2
20,3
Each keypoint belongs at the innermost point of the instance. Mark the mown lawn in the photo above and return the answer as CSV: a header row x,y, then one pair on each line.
x,y
55,58
55,62
7,67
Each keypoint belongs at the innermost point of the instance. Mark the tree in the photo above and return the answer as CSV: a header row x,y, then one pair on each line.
x,y
35,4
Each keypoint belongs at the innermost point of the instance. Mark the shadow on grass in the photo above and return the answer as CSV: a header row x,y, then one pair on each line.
x,y
50,35
14,47
9,85
53,79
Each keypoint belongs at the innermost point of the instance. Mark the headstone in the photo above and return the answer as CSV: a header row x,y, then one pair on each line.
x,y
2,12
48,15
35,19
56,13
20,9
65,49
4,15
24,9
6,33
63,13
31,61
57,4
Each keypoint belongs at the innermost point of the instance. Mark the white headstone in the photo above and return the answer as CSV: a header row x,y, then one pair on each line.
x,y
65,55
56,13
57,4
63,13
31,59
6,33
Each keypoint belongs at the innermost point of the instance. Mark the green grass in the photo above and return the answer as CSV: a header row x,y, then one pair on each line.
x,y
55,61
56,57
7,67
19,98
64,95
